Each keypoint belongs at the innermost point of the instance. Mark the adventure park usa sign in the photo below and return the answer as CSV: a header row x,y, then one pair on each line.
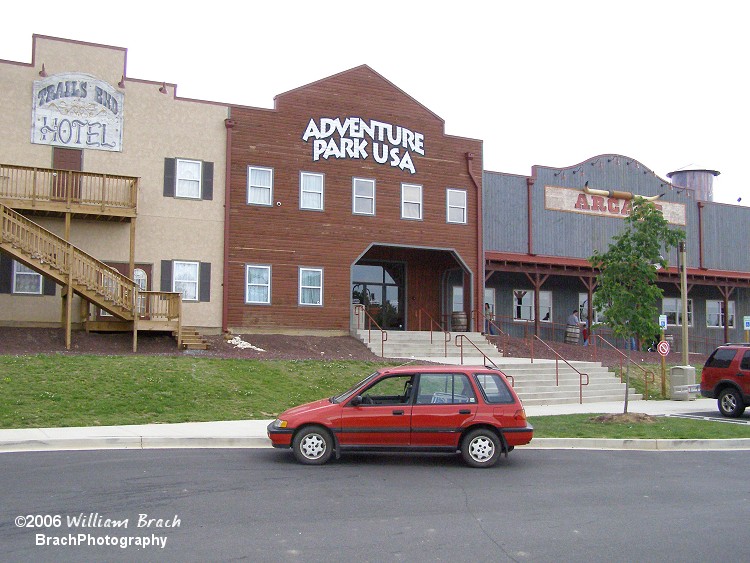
x,y
355,138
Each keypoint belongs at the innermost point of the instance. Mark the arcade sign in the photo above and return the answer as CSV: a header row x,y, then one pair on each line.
x,y
576,201
350,138
77,111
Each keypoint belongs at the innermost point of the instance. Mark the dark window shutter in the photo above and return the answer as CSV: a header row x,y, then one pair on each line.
x,y
6,273
169,175
49,287
166,275
208,180
204,282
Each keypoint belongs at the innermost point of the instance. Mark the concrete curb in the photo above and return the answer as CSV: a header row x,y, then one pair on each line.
x,y
132,443
182,442
637,444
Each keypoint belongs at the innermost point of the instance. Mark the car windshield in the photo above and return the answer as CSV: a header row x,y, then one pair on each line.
x,y
345,395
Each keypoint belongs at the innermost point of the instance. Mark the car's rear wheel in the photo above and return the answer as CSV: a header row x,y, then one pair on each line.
x,y
313,445
481,448
730,403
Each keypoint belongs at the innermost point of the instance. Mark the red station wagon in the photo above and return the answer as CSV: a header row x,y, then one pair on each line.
x,y
471,410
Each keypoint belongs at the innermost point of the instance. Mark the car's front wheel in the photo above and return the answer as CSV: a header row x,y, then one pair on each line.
x,y
730,403
313,445
481,448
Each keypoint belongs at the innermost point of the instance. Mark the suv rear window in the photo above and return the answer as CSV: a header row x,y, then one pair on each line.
x,y
721,358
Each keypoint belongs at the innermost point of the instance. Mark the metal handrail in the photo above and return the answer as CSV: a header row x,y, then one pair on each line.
x,y
383,333
460,344
433,322
558,357
646,372
505,342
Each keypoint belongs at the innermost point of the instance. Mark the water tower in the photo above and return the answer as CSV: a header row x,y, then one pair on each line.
x,y
700,180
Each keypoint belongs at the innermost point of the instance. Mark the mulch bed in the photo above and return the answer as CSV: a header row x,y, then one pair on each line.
x,y
14,340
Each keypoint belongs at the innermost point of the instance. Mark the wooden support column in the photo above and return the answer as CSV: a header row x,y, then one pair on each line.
x,y
590,284
131,266
69,299
131,274
67,295
726,292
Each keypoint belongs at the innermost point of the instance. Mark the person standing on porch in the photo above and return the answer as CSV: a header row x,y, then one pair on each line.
x,y
573,330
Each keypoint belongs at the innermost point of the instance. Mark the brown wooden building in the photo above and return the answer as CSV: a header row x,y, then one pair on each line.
x,y
349,192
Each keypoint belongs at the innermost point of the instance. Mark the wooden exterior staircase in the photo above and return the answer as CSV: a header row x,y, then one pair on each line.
x,y
82,274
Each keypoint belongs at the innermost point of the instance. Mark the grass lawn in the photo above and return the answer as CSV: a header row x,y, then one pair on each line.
x,y
57,390
61,390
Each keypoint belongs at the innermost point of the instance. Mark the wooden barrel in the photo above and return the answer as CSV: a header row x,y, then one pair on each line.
x,y
572,334
459,322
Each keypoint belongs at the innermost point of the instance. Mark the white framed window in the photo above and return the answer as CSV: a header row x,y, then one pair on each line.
x,y
188,175
26,280
411,201
141,278
311,286
583,310
455,206
672,308
715,314
311,188
257,284
457,298
363,196
259,185
523,305
185,279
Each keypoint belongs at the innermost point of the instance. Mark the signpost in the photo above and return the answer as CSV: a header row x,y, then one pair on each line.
x,y
663,327
747,328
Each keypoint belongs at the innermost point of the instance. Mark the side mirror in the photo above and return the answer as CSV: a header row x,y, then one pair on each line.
x,y
356,401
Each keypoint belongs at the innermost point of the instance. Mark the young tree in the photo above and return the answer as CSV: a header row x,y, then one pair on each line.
x,y
626,285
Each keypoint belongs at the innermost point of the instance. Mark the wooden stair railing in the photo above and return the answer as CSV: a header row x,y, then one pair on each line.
x,y
52,255
94,281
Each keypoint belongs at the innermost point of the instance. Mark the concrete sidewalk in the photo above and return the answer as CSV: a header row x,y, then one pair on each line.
x,y
252,433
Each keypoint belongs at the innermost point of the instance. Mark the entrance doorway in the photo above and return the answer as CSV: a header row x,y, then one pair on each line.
x,y
380,287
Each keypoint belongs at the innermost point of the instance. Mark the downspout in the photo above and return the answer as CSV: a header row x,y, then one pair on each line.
x,y
479,276
529,232
700,234
229,125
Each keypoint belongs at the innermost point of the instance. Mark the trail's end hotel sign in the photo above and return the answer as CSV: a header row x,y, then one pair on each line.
x,y
576,201
77,111
351,138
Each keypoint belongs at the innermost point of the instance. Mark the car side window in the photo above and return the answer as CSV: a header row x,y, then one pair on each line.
x,y
721,358
494,388
395,390
745,364
445,388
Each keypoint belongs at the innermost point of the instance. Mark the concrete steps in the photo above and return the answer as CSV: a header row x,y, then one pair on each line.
x,y
543,382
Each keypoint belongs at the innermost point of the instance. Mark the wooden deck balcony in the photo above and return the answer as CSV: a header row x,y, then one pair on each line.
x,y
48,191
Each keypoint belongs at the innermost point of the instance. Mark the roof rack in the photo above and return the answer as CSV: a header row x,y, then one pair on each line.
x,y
745,344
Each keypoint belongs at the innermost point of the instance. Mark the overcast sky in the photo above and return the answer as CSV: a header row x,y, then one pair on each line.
x,y
550,82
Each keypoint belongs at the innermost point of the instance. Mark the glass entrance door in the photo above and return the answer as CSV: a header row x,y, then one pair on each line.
x,y
379,286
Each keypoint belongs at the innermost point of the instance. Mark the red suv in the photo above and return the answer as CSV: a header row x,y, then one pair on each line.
x,y
726,377
471,410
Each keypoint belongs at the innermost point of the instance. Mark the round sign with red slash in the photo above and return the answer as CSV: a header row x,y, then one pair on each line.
x,y
663,348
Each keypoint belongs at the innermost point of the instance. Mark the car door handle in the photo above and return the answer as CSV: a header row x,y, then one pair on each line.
x,y
397,413
740,374
464,411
